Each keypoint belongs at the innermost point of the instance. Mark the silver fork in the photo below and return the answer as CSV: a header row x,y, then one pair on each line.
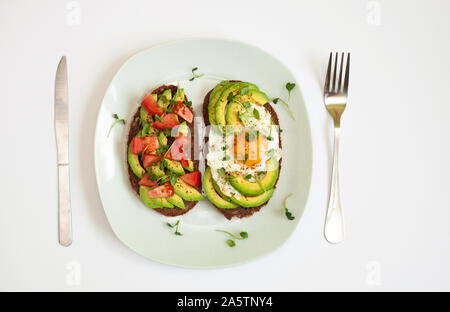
x,y
335,98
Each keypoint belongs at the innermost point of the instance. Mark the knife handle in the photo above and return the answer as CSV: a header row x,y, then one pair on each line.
x,y
64,210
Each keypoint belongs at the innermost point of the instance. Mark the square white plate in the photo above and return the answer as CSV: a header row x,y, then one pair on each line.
x,y
201,246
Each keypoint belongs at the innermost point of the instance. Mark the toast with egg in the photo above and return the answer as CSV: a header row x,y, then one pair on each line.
x,y
216,115
162,174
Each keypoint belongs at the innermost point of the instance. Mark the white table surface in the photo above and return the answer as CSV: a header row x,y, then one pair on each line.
x,y
395,147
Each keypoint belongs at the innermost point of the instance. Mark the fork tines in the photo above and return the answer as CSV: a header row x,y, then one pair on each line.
x,y
331,85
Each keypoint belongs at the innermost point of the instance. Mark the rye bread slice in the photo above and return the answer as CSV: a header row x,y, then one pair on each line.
x,y
242,212
134,129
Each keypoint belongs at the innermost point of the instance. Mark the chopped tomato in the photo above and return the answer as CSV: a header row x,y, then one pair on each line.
x,y
183,111
165,190
145,181
169,121
152,106
192,178
148,160
149,144
177,150
184,162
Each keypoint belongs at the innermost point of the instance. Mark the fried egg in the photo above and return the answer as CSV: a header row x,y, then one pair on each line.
x,y
243,149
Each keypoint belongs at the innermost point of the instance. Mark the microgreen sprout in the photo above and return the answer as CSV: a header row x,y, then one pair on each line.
x,y
286,211
289,87
176,225
194,75
116,121
231,242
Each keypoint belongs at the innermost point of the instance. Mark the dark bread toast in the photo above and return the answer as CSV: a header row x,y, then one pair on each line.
x,y
241,212
134,129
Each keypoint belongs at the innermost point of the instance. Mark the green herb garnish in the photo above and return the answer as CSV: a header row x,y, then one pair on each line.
x,y
176,225
153,177
173,180
157,117
248,177
256,113
162,150
286,211
232,243
194,75
289,87
189,103
116,121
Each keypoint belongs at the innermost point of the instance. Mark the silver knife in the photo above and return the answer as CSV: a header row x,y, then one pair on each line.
x,y
62,146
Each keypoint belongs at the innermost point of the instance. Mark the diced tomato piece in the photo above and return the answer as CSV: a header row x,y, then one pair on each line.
x,y
151,105
169,121
148,160
183,111
165,190
177,150
145,181
184,162
192,178
152,144
149,144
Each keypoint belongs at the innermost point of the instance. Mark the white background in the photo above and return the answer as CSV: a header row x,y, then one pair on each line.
x,y
395,147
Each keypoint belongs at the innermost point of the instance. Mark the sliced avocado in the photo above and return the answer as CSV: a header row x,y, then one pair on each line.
x,y
155,97
190,166
217,189
157,170
135,165
258,97
177,201
150,202
165,98
153,202
162,139
179,95
186,191
213,97
145,116
253,201
254,96
173,166
221,104
233,110
163,202
211,193
253,188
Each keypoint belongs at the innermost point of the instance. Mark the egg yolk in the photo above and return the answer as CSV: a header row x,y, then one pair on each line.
x,y
249,149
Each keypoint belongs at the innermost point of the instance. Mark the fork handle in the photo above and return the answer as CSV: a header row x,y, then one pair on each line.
x,y
334,224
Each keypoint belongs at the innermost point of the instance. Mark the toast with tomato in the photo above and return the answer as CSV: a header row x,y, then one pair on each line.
x,y
160,152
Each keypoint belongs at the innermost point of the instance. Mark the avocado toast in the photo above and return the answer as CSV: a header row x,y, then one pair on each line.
x,y
248,188
160,150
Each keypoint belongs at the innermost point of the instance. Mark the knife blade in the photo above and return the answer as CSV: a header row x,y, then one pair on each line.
x,y
62,147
